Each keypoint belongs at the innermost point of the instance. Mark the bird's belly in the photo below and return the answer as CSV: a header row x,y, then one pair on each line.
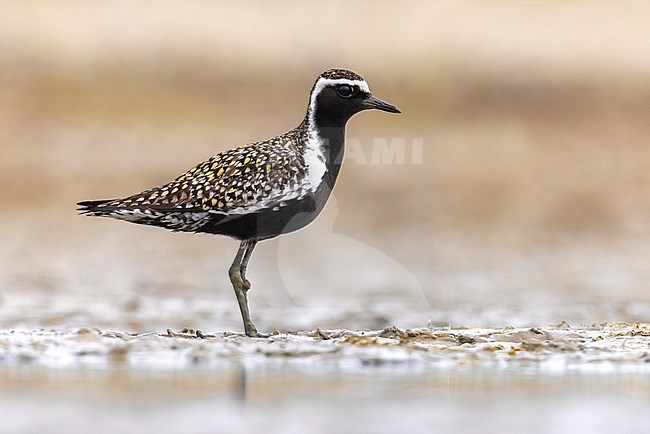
x,y
270,222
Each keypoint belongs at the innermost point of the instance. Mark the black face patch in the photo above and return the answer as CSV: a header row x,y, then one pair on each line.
x,y
337,103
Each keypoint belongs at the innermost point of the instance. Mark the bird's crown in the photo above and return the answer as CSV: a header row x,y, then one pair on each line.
x,y
337,74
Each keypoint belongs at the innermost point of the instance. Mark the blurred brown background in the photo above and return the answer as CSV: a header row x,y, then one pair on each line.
x,y
531,203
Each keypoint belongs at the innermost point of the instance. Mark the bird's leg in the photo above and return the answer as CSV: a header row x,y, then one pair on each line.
x,y
240,292
244,264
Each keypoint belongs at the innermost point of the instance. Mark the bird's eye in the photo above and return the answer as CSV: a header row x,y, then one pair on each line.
x,y
345,90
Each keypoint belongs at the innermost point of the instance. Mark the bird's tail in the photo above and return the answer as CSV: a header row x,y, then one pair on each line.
x,y
93,207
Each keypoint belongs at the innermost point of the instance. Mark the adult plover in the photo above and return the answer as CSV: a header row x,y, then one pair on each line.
x,y
261,190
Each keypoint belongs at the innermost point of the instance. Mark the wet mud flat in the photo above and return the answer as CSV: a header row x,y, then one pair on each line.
x,y
551,379
555,348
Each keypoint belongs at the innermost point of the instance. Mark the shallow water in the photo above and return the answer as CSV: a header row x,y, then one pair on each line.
x,y
321,399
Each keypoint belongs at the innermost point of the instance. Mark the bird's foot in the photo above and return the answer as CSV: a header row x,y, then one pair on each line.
x,y
251,331
264,335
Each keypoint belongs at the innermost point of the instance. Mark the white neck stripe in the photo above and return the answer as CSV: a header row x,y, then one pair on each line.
x,y
314,152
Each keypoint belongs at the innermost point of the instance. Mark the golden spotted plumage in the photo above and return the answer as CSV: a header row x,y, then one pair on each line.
x,y
237,178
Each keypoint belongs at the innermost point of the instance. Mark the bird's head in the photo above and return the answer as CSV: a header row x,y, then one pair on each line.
x,y
338,94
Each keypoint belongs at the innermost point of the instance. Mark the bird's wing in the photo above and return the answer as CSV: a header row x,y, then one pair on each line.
x,y
235,181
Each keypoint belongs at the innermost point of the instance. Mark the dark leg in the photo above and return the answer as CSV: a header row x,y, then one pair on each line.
x,y
238,284
244,264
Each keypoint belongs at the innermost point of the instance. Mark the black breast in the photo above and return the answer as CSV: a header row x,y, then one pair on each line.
x,y
273,221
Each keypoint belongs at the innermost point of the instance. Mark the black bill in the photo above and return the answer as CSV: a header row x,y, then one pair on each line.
x,y
375,103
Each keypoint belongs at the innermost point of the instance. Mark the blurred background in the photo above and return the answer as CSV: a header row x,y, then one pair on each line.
x,y
529,205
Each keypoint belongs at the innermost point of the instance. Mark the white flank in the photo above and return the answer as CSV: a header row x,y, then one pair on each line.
x,y
314,159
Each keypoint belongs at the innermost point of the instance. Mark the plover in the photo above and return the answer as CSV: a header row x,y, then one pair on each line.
x,y
260,190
